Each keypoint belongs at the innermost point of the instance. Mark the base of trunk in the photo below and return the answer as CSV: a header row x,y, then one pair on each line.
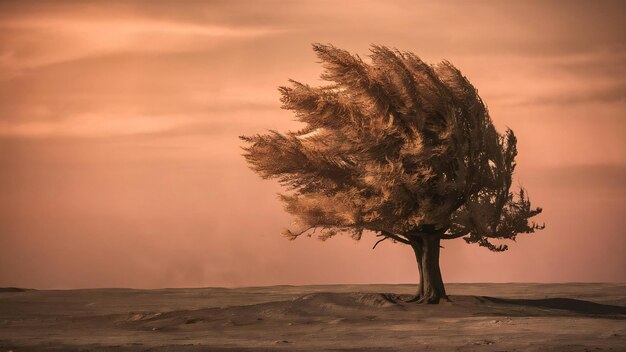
x,y
431,288
435,299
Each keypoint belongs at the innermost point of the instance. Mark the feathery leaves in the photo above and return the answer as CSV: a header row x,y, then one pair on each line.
x,y
394,146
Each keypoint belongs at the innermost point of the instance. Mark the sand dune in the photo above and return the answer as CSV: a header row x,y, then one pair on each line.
x,y
485,317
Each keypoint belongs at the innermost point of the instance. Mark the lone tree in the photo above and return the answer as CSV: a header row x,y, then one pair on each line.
x,y
398,147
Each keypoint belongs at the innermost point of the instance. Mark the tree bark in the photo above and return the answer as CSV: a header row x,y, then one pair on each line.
x,y
431,288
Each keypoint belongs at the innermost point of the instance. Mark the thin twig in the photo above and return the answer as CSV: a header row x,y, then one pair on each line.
x,y
380,240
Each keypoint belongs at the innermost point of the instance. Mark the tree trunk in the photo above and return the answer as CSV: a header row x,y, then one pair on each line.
x,y
431,288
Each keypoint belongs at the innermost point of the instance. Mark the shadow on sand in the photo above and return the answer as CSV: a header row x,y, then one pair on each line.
x,y
569,304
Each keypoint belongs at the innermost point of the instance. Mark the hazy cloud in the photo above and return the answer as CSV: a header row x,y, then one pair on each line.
x,y
34,39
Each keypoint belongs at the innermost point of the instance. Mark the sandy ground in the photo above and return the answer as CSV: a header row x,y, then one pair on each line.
x,y
481,317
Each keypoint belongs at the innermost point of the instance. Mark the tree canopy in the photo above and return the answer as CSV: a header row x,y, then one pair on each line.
x,y
395,146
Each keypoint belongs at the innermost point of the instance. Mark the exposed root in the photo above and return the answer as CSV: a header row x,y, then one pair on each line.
x,y
420,299
414,299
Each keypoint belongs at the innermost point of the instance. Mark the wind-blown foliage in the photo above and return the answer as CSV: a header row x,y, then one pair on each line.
x,y
395,146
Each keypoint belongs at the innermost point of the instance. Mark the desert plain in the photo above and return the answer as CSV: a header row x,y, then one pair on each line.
x,y
478,317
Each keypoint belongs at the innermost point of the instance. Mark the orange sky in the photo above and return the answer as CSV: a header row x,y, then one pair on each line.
x,y
120,163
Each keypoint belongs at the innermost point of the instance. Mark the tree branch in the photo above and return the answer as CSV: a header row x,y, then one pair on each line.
x,y
454,235
393,236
